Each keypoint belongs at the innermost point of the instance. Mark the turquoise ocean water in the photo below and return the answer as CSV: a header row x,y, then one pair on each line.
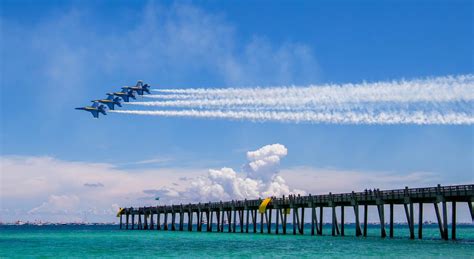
x,y
108,240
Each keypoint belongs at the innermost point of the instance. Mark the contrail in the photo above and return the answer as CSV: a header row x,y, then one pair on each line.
x,y
389,117
302,104
440,100
439,89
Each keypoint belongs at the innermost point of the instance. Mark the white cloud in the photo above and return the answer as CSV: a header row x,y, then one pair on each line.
x,y
263,163
46,188
259,179
58,204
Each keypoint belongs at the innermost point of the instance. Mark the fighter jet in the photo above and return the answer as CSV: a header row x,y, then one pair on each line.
x,y
139,88
110,101
95,109
125,94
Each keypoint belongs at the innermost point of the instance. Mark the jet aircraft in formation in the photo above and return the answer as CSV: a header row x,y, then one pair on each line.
x,y
95,109
110,101
115,98
140,88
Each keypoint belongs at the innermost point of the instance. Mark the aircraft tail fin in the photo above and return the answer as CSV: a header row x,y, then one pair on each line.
x,y
146,88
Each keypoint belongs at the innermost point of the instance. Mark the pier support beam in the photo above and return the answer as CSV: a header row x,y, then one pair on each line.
x,y
302,221
229,221
218,219
445,220
126,220
320,221
208,220
342,220
152,224
133,220
181,219
165,223
277,220
380,208
247,217
334,221
190,220
357,220
420,220
139,221
407,214
235,220
120,221
145,219
314,220
412,223
173,220
471,209
222,219
298,221
366,210
438,217
295,216
269,222
391,220
158,220
283,222
254,220
241,217
453,221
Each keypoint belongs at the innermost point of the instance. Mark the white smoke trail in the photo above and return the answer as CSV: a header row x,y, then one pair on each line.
x,y
439,89
296,104
441,100
384,117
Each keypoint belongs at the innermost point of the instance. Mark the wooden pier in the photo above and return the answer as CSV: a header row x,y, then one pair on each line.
x,y
245,213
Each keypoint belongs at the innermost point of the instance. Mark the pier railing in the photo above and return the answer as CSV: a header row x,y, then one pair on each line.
x,y
223,210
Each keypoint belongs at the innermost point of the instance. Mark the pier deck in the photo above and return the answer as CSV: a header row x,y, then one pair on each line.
x,y
245,213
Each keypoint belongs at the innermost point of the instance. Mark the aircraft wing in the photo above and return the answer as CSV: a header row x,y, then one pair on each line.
x,y
95,113
110,105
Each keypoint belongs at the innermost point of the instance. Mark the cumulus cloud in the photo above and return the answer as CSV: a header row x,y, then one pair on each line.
x,y
47,188
263,163
52,189
259,179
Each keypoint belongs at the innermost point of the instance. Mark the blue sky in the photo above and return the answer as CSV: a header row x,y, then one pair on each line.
x,y
57,55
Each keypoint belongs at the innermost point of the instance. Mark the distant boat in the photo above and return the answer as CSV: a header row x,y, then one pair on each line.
x,y
157,198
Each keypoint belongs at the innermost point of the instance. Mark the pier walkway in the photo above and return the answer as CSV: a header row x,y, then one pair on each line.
x,y
239,215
